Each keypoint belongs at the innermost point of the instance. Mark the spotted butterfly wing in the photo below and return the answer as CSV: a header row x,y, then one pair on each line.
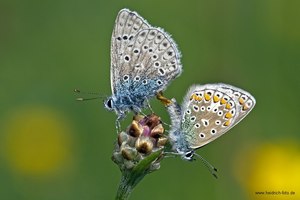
x,y
127,25
211,110
144,59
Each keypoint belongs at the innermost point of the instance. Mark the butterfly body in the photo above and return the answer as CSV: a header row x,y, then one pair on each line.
x,y
144,60
131,99
208,112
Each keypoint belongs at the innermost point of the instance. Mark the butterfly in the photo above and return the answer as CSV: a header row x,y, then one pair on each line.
x,y
207,112
144,60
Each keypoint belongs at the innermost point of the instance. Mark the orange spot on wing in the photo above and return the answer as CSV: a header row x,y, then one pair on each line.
x,y
228,115
245,107
195,97
216,99
223,101
207,97
241,100
228,106
227,123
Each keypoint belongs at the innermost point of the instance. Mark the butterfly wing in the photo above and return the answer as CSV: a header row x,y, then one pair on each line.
x,y
211,110
146,61
127,25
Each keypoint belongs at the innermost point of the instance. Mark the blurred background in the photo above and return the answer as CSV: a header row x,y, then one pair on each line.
x,y
54,148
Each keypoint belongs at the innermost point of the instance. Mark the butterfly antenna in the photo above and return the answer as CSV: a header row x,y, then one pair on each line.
x,y
209,166
86,99
88,93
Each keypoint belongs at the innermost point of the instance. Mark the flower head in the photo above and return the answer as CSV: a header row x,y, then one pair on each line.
x,y
143,137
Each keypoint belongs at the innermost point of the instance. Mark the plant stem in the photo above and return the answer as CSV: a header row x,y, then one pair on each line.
x,y
130,178
125,187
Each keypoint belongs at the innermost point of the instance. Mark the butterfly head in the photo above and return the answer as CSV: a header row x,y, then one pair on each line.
x,y
109,104
189,155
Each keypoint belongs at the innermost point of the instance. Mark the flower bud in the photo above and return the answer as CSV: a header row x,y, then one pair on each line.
x,y
135,129
151,121
122,137
143,138
128,153
138,117
157,131
144,145
162,141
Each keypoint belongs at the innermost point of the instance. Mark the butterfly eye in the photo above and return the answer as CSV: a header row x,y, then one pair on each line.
x,y
189,155
109,104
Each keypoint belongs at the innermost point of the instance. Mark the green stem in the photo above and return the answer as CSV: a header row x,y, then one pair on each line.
x,y
125,187
130,178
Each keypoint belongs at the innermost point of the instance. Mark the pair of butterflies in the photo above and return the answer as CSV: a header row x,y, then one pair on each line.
x,y
144,60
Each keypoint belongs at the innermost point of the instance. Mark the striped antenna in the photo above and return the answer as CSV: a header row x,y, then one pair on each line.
x,y
98,96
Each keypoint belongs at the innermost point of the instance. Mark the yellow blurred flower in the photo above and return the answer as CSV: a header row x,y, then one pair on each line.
x,y
37,141
270,171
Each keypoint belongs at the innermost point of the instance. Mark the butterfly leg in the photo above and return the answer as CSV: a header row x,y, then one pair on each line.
x,y
163,99
136,110
166,124
171,154
143,113
118,125
148,104
121,115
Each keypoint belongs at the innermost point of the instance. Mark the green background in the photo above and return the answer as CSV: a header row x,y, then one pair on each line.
x,y
53,147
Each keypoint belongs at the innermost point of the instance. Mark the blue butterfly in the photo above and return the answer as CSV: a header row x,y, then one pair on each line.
x,y
207,112
144,60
